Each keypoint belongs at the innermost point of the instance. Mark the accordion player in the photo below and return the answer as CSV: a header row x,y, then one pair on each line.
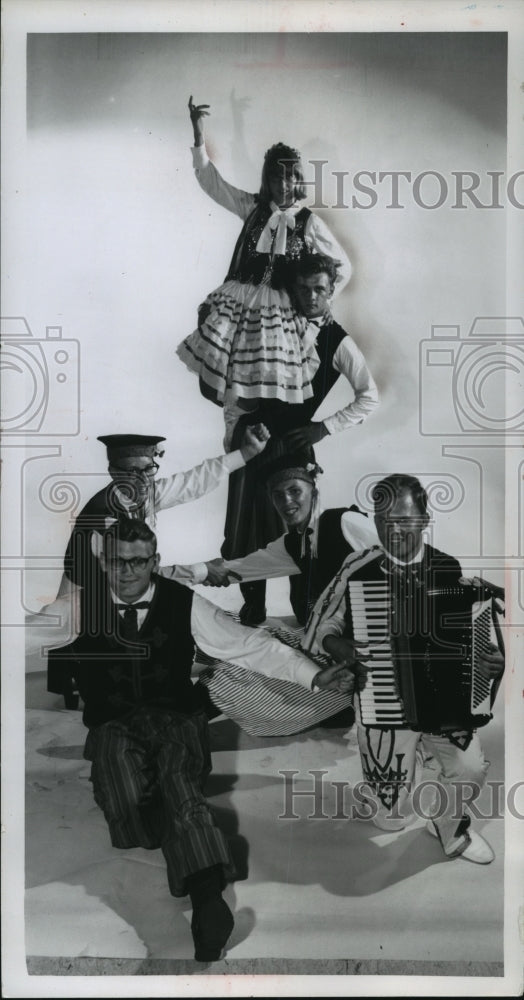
x,y
399,617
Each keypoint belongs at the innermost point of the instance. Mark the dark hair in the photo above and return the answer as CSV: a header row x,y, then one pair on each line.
x,y
388,489
315,263
284,155
126,529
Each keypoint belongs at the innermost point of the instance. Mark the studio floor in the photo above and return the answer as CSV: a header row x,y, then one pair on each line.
x,y
320,895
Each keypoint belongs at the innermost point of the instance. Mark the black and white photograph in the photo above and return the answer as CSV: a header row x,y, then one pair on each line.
x,y
262,371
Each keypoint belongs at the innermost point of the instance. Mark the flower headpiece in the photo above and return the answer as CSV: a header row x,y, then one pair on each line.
x,y
288,467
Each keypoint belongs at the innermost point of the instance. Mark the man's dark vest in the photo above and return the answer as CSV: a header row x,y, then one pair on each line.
x,y
114,676
315,574
248,265
329,338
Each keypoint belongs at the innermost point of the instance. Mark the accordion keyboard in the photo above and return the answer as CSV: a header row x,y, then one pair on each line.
x,y
380,704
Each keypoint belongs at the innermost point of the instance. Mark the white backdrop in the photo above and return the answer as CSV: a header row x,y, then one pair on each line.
x,y
118,245
107,235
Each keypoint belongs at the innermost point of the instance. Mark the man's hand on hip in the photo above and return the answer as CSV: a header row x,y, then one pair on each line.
x,y
301,437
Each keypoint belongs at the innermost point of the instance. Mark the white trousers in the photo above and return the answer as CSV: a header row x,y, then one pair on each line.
x,y
389,765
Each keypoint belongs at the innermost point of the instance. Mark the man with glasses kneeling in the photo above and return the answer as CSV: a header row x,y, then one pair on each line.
x,y
147,738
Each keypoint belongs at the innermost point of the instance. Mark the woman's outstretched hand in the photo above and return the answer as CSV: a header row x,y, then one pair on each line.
x,y
197,112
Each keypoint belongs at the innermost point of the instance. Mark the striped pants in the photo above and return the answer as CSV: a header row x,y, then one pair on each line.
x,y
269,706
148,771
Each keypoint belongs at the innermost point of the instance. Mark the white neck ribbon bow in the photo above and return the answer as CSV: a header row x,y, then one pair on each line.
x,y
281,220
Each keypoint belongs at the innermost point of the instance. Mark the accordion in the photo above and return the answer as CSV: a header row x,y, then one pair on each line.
x,y
423,671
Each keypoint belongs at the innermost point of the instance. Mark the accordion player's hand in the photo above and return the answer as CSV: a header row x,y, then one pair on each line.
x,y
335,678
350,654
485,589
490,662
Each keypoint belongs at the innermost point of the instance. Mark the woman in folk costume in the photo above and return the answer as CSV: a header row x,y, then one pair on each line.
x,y
250,342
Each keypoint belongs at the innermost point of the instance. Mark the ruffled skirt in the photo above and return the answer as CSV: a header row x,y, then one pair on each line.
x,y
249,345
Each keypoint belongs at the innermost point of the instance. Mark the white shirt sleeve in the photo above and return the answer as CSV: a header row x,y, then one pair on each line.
x,y
223,638
322,240
265,564
328,616
351,363
358,530
232,413
190,575
332,624
57,623
234,199
195,483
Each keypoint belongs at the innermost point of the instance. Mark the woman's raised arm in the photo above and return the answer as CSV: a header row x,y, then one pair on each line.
x,y
234,199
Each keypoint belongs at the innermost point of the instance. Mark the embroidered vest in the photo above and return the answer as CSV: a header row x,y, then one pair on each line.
x,y
247,265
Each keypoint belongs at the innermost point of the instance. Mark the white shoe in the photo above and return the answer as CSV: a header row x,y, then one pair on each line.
x,y
478,850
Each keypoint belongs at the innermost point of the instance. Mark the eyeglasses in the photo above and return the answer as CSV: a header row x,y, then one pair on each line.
x,y
139,562
147,473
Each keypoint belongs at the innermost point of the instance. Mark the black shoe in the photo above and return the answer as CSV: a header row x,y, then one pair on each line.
x,y
252,614
203,700
211,926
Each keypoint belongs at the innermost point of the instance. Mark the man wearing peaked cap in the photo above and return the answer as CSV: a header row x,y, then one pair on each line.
x,y
120,445
135,492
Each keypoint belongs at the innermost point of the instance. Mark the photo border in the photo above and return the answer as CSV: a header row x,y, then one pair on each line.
x,y
20,18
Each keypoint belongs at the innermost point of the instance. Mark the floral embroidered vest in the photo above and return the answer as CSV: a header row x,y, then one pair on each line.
x,y
247,265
